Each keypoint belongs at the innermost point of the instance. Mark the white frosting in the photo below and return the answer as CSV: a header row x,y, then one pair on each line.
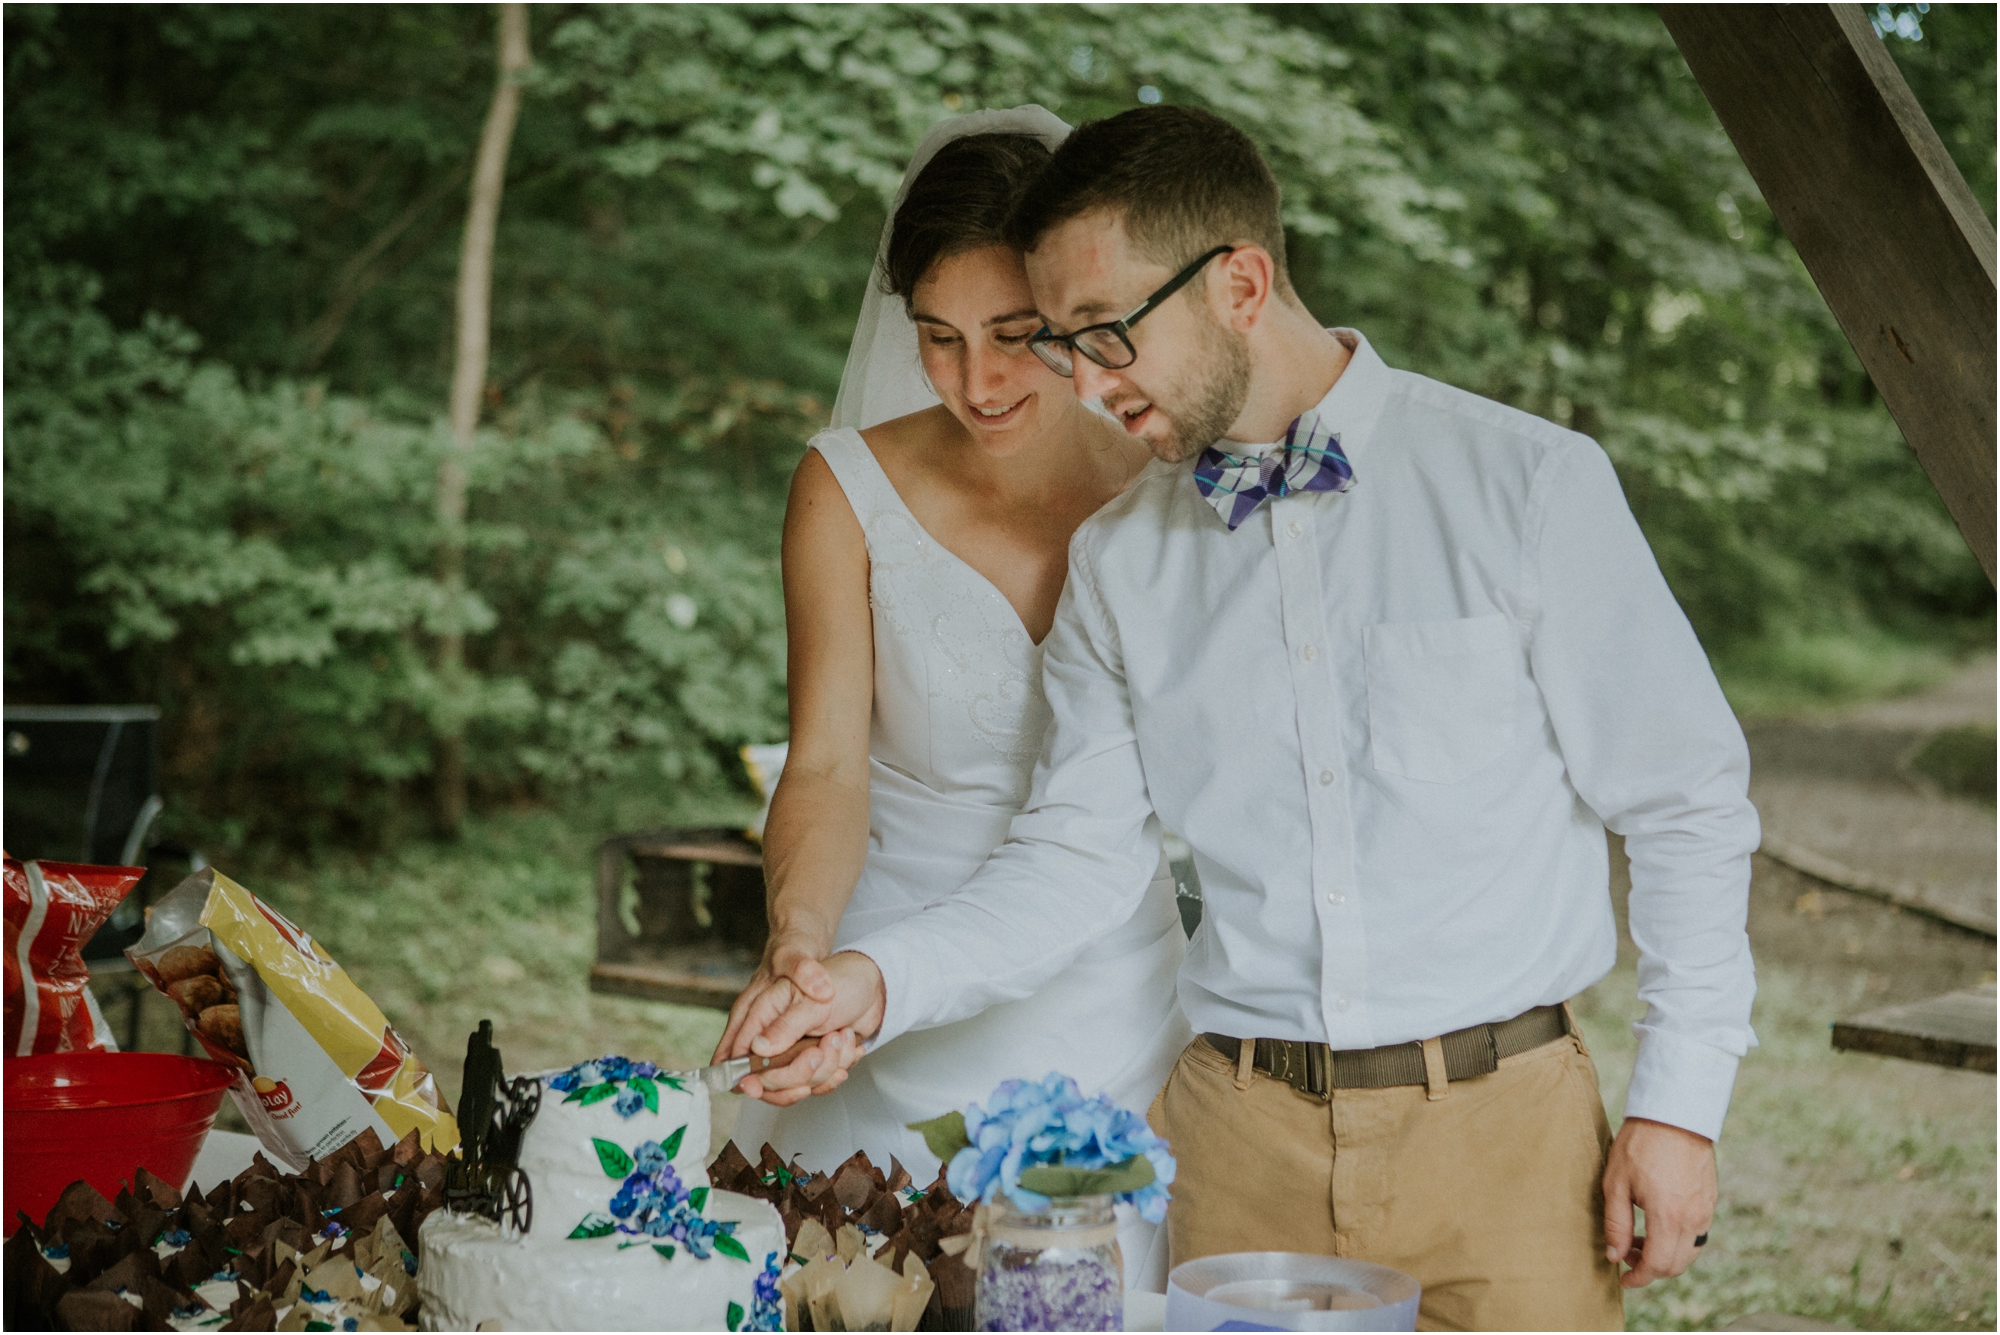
x,y
471,1273
561,1162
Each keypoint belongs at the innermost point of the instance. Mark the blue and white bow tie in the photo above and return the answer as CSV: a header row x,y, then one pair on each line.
x,y
1309,460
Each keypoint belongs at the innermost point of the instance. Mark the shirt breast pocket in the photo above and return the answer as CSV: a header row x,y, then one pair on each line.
x,y
1444,697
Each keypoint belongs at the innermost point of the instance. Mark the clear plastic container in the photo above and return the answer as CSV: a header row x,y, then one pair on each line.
x,y
1052,1269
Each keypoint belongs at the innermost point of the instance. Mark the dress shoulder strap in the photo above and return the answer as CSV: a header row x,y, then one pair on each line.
x,y
854,466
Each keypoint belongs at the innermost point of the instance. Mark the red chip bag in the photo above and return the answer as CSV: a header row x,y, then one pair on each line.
x,y
52,909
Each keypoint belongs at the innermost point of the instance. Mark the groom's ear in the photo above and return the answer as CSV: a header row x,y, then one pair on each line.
x,y
1244,285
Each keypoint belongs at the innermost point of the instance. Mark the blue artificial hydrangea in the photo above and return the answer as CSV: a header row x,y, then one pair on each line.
x,y
1026,1123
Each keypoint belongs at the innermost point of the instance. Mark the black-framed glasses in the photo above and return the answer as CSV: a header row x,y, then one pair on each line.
x,y
1107,344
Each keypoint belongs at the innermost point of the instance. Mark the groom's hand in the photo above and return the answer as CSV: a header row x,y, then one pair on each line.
x,y
1670,1174
783,1014
791,955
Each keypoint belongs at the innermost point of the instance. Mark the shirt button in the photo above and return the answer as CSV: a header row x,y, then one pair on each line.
x,y
1341,1004
1309,653
1292,530
1325,777
1336,899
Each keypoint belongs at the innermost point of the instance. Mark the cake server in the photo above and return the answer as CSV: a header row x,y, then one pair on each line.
x,y
723,1077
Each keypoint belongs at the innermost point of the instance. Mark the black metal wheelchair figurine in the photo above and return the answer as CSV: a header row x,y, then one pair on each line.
x,y
493,1115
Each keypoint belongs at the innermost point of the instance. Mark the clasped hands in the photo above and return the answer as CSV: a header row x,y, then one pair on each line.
x,y
796,993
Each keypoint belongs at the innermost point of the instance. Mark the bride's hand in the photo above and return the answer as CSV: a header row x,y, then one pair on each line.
x,y
791,956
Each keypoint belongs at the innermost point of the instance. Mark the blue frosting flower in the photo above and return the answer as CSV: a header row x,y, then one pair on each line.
x,y
649,1157
629,1101
614,1068
1026,1123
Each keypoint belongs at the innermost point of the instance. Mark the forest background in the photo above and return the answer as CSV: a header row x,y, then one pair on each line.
x,y
232,234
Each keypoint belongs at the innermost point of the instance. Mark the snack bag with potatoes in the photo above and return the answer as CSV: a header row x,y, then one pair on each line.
x,y
316,1061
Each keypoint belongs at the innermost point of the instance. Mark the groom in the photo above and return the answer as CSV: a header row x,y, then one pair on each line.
x,y
1390,657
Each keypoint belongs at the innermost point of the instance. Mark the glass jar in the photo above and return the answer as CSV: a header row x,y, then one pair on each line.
x,y
1053,1269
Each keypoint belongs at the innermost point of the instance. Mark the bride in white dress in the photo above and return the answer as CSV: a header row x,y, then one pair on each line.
x,y
926,544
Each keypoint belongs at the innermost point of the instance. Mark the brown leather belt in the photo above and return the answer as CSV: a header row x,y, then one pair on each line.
x,y
1313,1068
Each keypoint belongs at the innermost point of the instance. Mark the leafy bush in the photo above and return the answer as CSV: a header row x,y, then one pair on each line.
x,y
265,556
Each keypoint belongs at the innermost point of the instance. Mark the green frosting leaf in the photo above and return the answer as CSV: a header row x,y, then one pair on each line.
x,y
945,1136
576,1095
672,1144
726,1245
648,1091
616,1162
735,1315
665,1249
672,1082
594,1225
698,1198
1057,1180
598,1093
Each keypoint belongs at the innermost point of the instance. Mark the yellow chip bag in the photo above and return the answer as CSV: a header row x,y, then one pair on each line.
x,y
317,1062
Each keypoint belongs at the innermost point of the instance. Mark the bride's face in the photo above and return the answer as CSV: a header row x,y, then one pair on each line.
x,y
974,315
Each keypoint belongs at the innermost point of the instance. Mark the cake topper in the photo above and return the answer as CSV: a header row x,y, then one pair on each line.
x,y
493,1115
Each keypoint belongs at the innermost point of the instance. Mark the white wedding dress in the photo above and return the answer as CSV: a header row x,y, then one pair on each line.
x,y
958,722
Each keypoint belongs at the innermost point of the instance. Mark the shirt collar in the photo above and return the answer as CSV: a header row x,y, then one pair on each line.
x,y
1349,410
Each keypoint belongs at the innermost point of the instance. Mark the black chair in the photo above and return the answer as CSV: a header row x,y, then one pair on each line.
x,y
83,786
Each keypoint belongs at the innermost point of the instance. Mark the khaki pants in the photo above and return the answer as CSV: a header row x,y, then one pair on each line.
x,y
1490,1196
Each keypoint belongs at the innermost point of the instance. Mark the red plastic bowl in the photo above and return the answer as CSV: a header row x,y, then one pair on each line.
x,y
101,1116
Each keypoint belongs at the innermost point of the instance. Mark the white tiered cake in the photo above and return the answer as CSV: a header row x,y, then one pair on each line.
x,y
627,1234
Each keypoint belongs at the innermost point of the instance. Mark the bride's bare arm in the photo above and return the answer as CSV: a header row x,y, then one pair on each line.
x,y
816,838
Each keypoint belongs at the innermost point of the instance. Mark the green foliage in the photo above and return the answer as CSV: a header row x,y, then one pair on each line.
x,y
232,244
943,1136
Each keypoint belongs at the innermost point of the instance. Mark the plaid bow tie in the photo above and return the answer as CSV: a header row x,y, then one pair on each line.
x,y
1309,460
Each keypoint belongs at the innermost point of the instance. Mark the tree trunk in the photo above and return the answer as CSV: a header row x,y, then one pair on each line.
x,y
468,384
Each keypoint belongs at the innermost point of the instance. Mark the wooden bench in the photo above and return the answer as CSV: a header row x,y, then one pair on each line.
x,y
1953,1030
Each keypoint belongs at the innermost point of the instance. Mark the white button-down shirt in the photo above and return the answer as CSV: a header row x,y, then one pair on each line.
x,y
1393,725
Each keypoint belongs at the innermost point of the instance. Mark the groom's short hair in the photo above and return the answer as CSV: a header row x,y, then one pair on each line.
x,y
1182,179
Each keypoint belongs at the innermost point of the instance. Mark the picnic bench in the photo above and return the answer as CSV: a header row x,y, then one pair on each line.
x,y
1954,1030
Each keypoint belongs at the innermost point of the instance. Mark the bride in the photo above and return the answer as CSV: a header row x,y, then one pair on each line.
x,y
926,543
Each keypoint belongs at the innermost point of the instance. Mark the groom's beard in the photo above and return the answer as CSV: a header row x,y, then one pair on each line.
x,y
1216,401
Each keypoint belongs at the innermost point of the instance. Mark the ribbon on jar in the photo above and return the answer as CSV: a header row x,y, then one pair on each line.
x,y
985,1231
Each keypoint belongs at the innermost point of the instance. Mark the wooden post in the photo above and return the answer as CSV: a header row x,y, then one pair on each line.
x,y
468,384
1878,211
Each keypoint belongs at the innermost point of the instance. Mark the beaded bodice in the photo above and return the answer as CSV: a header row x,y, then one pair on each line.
x,y
958,681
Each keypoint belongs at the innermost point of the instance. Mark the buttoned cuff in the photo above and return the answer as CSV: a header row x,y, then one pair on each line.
x,y
902,987
1680,1082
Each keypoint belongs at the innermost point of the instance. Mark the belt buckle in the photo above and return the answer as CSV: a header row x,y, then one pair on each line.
x,y
1302,1066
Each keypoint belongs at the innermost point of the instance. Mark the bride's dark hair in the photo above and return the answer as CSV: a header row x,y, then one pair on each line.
x,y
960,201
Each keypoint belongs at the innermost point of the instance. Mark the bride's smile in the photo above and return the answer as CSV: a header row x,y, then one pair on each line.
x,y
974,315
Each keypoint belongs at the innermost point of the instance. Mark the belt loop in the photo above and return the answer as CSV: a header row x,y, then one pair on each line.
x,y
1246,1060
1575,1029
1435,1085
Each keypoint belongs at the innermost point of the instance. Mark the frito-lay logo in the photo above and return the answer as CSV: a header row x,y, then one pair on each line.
x,y
276,1096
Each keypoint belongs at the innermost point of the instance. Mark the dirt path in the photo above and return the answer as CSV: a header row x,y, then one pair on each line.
x,y
1842,788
